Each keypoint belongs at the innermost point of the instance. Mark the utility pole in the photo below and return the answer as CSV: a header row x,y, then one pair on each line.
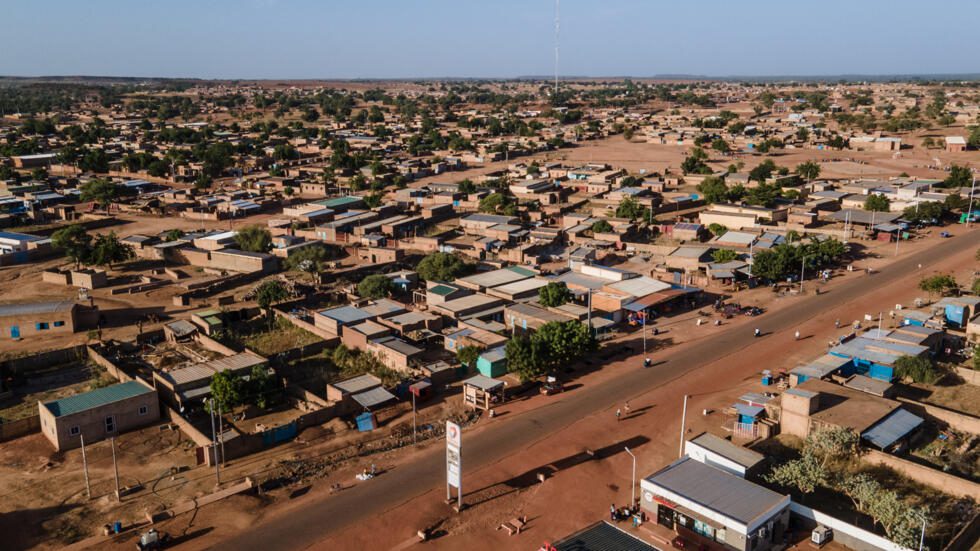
x,y
632,480
922,534
414,425
802,268
590,312
683,422
644,314
88,487
115,467
214,447
969,212
221,434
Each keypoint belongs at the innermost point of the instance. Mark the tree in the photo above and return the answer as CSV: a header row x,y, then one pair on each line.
x,y
630,208
713,189
442,267
808,171
876,202
101,191
74,241
959,177
108,250
260,386
564,342
226,389
805,474
525,357
974,140
975,288
695,162
554,294
497,202
720,145
940,284
832,445
916,369
375,286
173,235
762,171
722,256
309,259
601,226
925,213
717,229
467,187
270,292
254,239
468,355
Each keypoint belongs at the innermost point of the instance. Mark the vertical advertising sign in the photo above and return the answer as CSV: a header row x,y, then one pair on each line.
x,y
453,461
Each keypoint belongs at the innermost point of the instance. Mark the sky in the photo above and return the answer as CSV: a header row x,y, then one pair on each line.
x,y
342,39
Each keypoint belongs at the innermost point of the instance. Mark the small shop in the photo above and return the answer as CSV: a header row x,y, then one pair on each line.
x,y
482,392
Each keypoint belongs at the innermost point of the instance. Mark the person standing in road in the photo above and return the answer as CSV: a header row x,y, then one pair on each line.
x,y
618,414
626,407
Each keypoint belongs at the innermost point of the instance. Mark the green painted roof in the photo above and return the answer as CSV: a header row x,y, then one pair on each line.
x,y
206,313
441,290
96,398
522,271
338,201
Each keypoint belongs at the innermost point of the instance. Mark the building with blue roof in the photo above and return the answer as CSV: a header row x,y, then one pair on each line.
x,y
98,414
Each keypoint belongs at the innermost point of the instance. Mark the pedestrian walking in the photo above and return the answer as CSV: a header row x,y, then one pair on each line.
x,y
626,407
612,512
837,323
797,335
618,414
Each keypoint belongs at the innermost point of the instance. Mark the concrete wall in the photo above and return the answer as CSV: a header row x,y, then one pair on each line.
x,y
41,360
21,427
97,358
955,419
947,483
846,534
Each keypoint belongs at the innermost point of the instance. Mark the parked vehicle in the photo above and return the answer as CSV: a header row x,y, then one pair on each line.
x,y
552,386
152,540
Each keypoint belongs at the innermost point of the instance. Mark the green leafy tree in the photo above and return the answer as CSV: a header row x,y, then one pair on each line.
x,y
630,208
974,139
173,235
375,286
763,171
602,226
832,445
101,191
254,239
695,162
940,284
717,229
467,186
498,203
806,474
468,355
959,177
925,212
260,386
720,145
722,256
809,170
564,342
916,369
877,202
526,357
975,288
713,189
441,266
74,241
309,260
108,250
270,292
226,389
554,294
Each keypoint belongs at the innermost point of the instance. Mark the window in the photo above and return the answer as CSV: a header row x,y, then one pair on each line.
x,y
142,410
41,326
59,324
110,424
74,431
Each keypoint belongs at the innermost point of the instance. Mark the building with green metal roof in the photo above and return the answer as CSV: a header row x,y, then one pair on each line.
x,y
98,414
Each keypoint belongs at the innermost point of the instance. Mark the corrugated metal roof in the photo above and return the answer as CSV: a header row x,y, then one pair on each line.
x,y
715,489
483,382
28,308
373,398
357,384
739,454
96,398
346,314
603,537
892,428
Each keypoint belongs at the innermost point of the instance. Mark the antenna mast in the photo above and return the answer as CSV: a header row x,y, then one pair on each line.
x,y
557,30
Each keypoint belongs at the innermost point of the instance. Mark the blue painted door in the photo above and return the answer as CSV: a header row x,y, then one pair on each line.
x,y
15,332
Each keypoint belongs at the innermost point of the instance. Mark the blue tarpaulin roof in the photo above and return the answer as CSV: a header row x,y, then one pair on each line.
x,y
892,428
747,410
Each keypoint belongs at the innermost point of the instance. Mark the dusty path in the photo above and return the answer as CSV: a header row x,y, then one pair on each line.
x,y
730,356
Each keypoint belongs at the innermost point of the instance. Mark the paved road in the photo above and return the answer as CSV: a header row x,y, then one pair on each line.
x,y
307,525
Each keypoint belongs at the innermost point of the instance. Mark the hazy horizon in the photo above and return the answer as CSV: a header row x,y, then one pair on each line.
x,y
507,39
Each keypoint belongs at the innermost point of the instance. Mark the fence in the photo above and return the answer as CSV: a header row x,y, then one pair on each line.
x,y
955,420
745,430
20,427
41,360
846,534
944,482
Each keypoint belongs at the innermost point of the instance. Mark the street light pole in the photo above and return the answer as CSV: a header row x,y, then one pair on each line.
x,y
632,480
922,535
969,212
802,269
214,446
414,425
115,467
644,314
88,487
683,422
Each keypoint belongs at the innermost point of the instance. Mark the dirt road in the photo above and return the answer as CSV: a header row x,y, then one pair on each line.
x,y
315,520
